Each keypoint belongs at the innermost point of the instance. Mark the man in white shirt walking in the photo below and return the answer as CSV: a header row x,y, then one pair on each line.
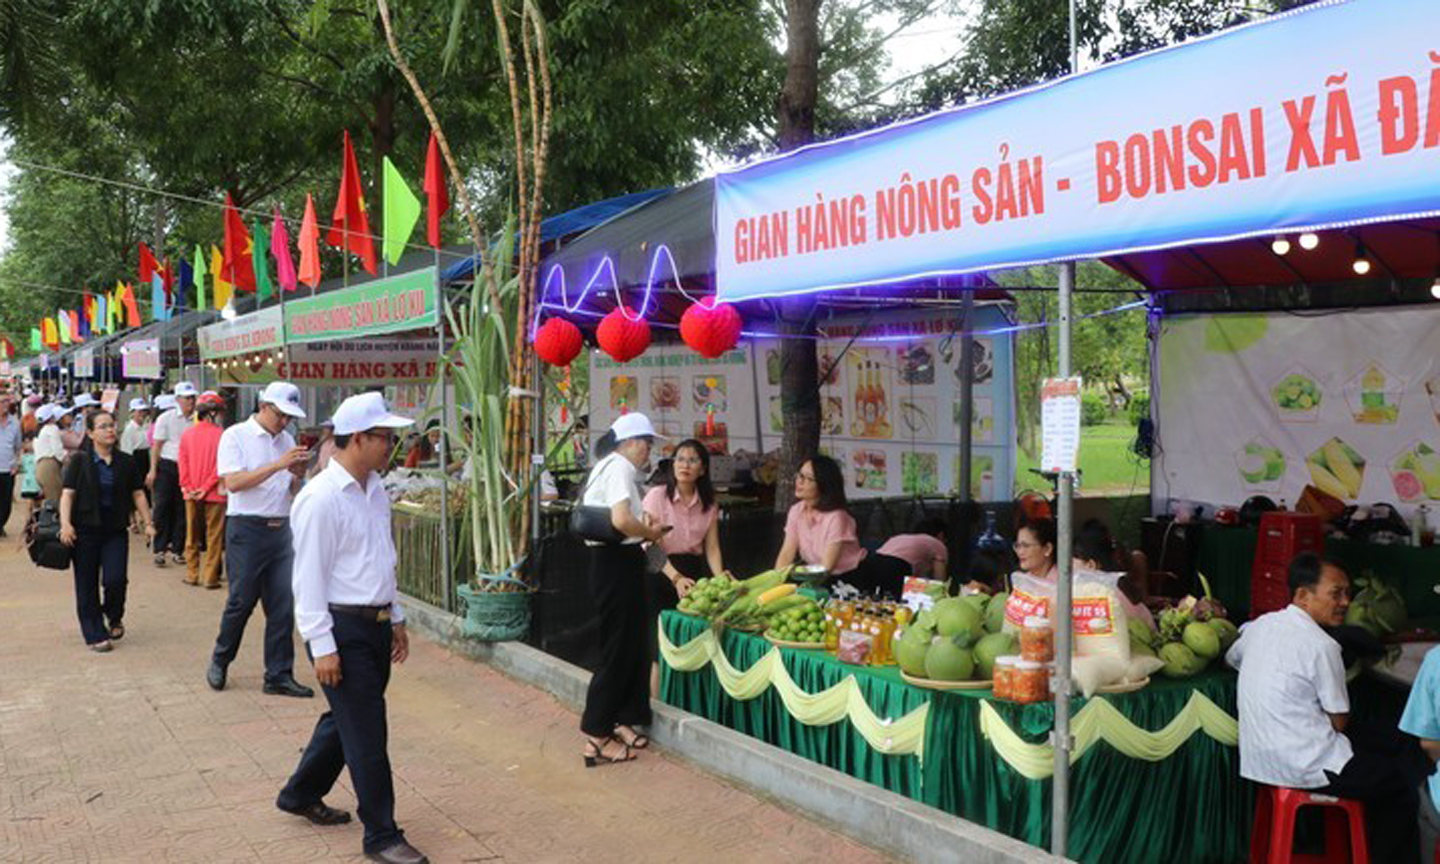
x,y
261,469
345,605
10,445
164,477
1295,725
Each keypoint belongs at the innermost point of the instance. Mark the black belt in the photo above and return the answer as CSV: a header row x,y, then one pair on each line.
x,y
267,521
378,614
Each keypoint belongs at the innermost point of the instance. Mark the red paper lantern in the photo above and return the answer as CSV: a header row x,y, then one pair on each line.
x,y
622,338
710,328
557,342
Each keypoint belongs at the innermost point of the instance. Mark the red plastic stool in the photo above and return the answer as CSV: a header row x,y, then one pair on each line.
x,y
1273,835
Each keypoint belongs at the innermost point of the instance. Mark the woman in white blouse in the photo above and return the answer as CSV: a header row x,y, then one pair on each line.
x,y
618,699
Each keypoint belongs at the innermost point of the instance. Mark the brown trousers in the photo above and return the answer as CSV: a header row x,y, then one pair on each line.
x,y
47,474
209,518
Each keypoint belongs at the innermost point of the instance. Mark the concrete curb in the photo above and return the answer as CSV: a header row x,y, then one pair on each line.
x,y
892,823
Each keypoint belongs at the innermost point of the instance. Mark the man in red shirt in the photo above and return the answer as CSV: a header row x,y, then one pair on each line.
x,y
200,487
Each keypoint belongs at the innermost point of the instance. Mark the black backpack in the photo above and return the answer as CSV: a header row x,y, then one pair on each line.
x,y
42,538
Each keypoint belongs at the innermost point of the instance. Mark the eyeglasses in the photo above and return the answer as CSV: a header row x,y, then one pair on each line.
x,y
688,460
98,426
1021,545
808,478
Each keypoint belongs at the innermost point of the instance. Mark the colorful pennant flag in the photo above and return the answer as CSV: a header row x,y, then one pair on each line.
x,y
132,310
223,289
261,248
185,287
437,194
159,310
87,309
199,274
310,245
66,328
117,306
51,337
36,343
148,266
402,211
167,281
102,314
7,348
82,325
350,224
239,269
280,246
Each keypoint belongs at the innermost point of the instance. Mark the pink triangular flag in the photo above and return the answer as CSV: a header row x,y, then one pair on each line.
x,y
280,248
310,245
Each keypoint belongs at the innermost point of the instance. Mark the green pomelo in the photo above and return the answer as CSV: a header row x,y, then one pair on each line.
x,y
1140,649
977,600
1180,662
947,661
995,612
910,654
1140,631
992,646
955,617
1202,639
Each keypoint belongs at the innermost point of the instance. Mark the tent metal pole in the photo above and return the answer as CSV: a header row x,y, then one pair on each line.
x,y
447,577
967,389
1062,741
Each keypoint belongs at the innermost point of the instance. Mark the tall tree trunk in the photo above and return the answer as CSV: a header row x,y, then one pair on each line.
x,y
382,133
800,372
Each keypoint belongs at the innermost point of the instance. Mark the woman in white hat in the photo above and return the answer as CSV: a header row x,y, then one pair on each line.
x,y
135,440
619,696
50,450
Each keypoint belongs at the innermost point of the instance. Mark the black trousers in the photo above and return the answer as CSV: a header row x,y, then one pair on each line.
x,y
258,559
353,733
7,496
619,690
660,594
877,574
1385,774
169,513
100,560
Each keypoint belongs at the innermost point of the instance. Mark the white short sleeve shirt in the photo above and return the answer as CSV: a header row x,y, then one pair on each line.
x,y
168,429
246,447
612,480
1291,679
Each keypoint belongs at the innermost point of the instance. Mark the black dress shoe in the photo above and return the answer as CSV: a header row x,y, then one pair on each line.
x,y
288,687
215,676
320,814
400,853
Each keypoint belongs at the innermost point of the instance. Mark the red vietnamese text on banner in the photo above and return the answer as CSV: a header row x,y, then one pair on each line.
x,y
239,267
350,224
437,194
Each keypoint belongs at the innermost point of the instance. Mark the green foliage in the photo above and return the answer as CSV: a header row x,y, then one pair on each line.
x,y
1093,410
1139,408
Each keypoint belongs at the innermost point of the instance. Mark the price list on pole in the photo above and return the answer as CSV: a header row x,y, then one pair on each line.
x,y
1060,424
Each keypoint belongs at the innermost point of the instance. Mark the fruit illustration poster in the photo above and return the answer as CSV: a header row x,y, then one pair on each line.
x,y
890,399
684,395
1254,404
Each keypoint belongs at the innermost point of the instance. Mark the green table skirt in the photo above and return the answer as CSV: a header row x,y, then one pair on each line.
x,y
1190,807
1227,556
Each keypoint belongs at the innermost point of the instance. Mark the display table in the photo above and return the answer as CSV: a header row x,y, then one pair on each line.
x,y
1189,805
1228,554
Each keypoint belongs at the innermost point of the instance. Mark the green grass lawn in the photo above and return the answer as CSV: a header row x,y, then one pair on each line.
x,y
1106,464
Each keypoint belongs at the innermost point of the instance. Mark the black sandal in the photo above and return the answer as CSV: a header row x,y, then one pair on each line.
x,y
117,632
636,741
595,752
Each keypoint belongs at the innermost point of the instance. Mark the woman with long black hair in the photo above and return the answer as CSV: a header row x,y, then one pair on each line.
x,y
819,530
102,487
618,699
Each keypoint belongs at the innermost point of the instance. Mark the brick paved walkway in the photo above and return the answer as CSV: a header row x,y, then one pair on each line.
x,y
129,757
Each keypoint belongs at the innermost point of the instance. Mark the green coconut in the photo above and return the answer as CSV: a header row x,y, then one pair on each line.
x,y
977,600
1227,632
1180,661
989,647
1203,639
1141,649
947,661
910,651
995,612
1141,632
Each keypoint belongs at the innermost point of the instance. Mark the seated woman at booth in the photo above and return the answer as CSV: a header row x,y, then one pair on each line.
x,y
921,552
1035,549
1095,549
819,530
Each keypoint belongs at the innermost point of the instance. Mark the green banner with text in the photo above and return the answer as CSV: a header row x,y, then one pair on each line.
x,y
393,305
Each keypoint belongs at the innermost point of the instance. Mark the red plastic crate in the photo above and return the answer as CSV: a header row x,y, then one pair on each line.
x,y
1283,535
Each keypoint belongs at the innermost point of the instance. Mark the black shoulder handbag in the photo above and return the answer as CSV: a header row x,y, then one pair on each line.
x,y
593,523
42,539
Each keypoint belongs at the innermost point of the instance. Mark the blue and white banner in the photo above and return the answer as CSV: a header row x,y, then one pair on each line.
x,y
1319,118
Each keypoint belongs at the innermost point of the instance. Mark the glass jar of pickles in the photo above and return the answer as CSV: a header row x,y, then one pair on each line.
x,y
1037,640
1004,677
1030,682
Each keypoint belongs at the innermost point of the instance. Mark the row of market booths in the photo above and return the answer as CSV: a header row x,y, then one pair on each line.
x,y
1292,296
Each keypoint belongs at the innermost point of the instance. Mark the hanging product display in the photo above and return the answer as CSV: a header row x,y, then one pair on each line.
x,y
622,337
710,328
558,342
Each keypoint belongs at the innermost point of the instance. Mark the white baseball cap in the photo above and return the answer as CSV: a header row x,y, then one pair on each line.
x,y
139,405
164,402
85,400
633,425
366,411
51,412
185,390
284,396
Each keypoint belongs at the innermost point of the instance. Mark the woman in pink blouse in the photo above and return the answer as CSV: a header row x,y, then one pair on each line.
x,y
692,547
819,530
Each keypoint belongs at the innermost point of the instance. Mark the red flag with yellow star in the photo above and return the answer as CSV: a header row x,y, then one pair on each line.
x,y
239,267
350,225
